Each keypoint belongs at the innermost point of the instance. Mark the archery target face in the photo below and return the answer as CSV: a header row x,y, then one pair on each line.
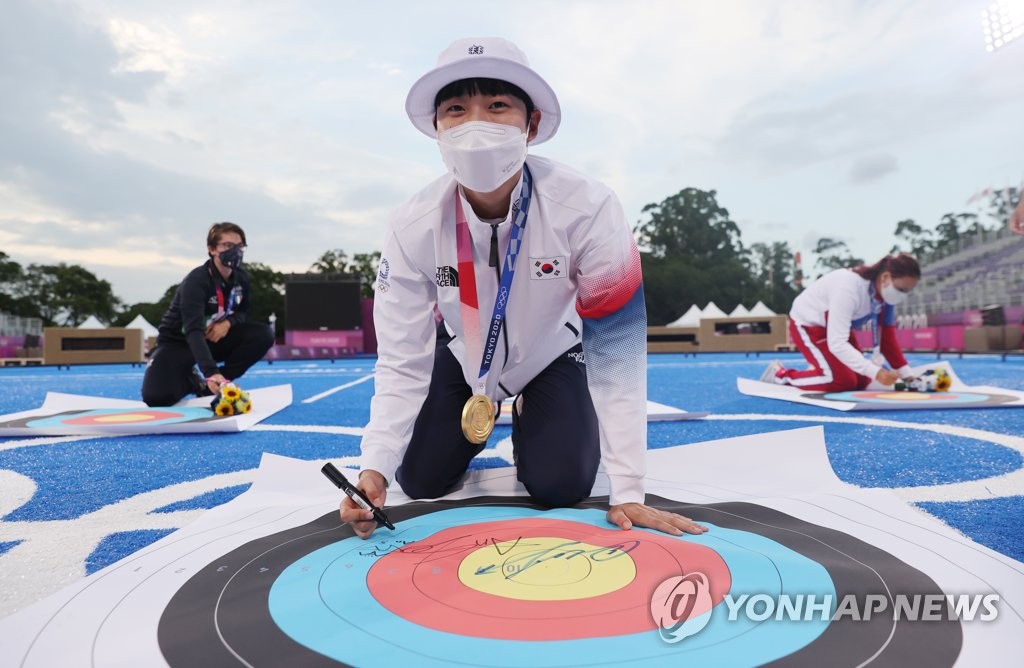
x,y
914,399
119,417
496,582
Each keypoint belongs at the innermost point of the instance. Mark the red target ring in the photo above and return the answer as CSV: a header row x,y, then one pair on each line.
x,y
124,417
530,577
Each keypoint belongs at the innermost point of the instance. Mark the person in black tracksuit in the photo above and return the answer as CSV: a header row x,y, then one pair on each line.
x,y
206,326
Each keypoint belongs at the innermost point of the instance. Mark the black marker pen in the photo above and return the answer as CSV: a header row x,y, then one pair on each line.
x,y
354,493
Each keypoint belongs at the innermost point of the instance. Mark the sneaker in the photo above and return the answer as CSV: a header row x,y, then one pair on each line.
x,y
200,388
771,372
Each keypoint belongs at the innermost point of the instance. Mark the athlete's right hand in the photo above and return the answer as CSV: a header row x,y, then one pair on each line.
x,y
375,487
887,376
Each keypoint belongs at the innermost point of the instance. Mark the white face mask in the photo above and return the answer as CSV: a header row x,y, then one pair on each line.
x,y
482,155
893,296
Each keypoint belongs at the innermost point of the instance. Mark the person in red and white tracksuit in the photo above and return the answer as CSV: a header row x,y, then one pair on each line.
x,y
823,316
535,265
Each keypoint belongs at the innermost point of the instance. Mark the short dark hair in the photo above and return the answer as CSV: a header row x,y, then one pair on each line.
x,y
217,230
899,266
482,86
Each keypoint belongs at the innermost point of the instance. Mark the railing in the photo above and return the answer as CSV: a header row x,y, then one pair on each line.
x,y
16,325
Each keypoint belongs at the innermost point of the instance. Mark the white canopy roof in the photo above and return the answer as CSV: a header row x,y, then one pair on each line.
x,y
761,309
739,312
146,326
712,311
92,322
689,319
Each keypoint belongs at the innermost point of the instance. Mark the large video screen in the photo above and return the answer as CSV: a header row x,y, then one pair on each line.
x,y
319,305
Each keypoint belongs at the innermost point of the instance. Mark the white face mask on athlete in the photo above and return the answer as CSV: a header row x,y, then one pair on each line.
x,y
892,295
482,155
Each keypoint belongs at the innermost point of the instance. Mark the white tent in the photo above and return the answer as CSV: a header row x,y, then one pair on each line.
x,y
148,330
689,319
739,312
92,322
712,311
761,309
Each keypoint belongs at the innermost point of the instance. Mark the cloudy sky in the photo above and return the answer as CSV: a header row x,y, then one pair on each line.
x,y
128,126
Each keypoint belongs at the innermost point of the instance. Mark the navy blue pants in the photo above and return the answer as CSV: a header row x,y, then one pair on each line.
x,y
169,376
555,440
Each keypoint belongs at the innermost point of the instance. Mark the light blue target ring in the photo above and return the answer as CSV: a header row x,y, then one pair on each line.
x,y
935,400
322,602
182,414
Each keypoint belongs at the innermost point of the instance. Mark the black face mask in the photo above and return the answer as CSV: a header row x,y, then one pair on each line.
x,y
232,258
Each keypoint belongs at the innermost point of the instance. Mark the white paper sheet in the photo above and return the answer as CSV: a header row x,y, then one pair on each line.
x,y
899,400
110,618
655,413
265,402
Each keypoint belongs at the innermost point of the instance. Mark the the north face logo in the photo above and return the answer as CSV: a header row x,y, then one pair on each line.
x,y
447,277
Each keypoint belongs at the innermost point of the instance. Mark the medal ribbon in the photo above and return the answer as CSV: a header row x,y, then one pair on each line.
x,y
470,305
226,307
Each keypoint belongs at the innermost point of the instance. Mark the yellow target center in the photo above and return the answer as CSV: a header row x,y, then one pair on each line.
x,y
123,417
903,396
547,569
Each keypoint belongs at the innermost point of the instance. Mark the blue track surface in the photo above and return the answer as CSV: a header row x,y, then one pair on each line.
x,y
76,477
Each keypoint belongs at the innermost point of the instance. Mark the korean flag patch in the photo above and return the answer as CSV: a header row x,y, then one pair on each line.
x,y
544,268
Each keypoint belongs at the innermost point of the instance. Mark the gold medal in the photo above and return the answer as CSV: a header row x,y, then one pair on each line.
x,y
478,418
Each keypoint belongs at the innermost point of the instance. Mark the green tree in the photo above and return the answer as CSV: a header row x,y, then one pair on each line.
x,y
689,224
833,254
971,225
1001,203
949,230
692,255
11,279
913,239
10,271
151,311
266,292
362,265
331,262
68,294
366,265
774,270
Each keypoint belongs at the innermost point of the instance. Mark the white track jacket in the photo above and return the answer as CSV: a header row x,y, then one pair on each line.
x,y
577,277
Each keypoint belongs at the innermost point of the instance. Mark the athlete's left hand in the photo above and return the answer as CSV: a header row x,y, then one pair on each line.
x,y
218,330
628,515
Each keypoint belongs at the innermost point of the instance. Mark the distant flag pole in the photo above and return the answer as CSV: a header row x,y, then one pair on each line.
x,y
798,272
985,192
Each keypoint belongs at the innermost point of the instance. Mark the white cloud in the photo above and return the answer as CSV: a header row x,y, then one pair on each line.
x,y
810,119
143,49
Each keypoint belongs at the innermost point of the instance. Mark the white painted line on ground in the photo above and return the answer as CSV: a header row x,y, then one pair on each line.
x,y
993,487
43,440
309,429
318,397
51,554
1012,442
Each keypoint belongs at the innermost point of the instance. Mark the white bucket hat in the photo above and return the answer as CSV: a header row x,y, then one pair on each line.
x,y
482,57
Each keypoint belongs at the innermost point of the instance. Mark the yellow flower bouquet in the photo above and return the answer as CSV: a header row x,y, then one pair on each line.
x,y
231,400
932,380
